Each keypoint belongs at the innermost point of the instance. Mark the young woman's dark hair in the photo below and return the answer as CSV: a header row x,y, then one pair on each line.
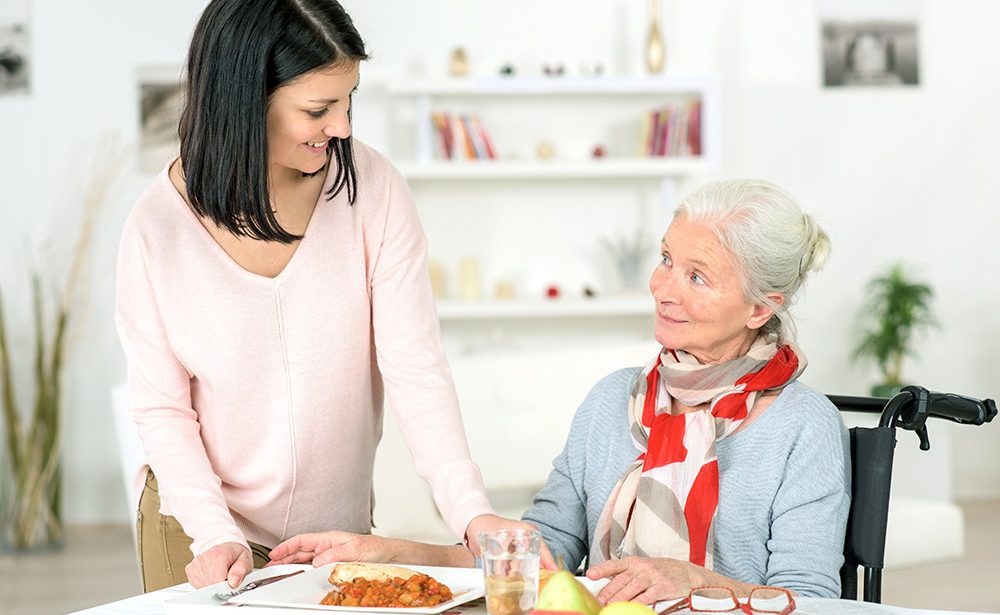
x,y
241,52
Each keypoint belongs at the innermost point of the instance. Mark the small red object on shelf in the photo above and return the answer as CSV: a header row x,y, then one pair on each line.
x,y
552,292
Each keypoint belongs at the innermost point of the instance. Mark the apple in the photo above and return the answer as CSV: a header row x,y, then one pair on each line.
x,y
564,592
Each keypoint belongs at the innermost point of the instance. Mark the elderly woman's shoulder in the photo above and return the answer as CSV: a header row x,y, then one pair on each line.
x,y
617,383
603,414
801,404
609,394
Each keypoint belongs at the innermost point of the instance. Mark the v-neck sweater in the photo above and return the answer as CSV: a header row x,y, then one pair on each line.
x,y
259,401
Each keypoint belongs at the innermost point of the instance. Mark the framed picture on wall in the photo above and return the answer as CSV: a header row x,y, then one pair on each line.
x,y
15,61
869,43
160,99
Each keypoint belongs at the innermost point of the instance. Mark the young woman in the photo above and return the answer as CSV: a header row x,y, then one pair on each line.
x,y
272,291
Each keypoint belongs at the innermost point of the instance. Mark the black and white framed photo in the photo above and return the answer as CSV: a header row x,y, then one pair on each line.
x,y
15,60
160,101
869,43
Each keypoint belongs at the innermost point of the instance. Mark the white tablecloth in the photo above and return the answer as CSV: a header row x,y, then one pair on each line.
x,y
152,604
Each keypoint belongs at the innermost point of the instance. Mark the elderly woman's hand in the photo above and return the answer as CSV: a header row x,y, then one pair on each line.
x,y
646,579
492,523
334,546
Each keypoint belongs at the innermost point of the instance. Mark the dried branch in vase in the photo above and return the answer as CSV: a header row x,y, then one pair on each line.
x,y
31,514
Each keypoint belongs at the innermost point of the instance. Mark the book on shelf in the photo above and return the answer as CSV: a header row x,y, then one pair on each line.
x,y
694,134
463,149
477,150
484,136
654,129
658,120
442,130
461,136
645,132
679,142
669,134
672,130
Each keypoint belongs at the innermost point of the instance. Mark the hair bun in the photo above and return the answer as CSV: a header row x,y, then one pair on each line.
x,y
817,248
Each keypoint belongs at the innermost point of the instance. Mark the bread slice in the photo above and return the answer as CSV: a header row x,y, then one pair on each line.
x,y
343,573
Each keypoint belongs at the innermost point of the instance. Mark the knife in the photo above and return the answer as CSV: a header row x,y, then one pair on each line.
x,y
226,596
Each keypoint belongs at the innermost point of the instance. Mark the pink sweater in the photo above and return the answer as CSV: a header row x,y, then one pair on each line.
x,y
259,400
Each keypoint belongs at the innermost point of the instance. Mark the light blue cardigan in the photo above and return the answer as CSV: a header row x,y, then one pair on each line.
x,y
784,487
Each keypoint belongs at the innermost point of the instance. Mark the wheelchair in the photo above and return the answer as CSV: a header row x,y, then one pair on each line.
x,y
871,471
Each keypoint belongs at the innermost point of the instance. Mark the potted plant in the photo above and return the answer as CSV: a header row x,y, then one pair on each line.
x,y
630,255
898,307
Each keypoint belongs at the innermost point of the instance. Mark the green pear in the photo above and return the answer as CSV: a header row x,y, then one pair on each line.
x,y
564,593
627,608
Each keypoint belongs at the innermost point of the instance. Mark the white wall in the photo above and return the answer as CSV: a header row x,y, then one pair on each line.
x,y
894,174
82,88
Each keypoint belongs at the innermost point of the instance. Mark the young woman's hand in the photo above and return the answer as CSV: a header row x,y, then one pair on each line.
x,y
491,523
229,562
646,579
333,546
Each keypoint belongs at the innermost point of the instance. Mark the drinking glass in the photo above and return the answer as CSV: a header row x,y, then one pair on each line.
x,y
510,569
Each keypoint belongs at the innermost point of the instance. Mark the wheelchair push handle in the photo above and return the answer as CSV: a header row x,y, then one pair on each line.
x,y
961,409
913,404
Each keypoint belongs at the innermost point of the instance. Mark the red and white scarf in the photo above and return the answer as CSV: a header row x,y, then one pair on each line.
x,y
665,503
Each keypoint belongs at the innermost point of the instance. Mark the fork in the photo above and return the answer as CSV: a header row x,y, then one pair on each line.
x,y
253,585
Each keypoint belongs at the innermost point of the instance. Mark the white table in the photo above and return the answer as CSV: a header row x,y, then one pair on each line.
x,y
152,604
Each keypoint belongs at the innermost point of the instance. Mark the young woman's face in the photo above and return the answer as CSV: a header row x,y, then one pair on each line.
x,y
304,114
700,306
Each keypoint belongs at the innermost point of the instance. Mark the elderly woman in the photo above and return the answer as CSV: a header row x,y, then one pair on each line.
x,y
710,465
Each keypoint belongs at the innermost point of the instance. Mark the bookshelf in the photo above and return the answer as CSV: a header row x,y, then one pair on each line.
x,y
575,114
514,309
606,168
552,100
546,86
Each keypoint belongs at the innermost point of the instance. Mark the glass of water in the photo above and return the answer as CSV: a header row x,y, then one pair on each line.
x,y
511,560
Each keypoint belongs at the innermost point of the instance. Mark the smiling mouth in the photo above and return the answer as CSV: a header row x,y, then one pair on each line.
x,y
671,320
318,145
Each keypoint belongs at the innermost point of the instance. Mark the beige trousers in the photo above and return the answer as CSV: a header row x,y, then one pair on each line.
x,y
164,548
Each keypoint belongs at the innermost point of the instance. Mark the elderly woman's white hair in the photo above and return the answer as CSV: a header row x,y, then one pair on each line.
x,y
773,243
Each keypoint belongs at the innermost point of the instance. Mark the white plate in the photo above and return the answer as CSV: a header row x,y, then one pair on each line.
x,y
306,590
203,601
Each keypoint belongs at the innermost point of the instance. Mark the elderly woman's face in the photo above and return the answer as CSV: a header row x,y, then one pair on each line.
x,y
700,307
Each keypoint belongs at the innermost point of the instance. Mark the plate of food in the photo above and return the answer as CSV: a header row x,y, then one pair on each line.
x,y
364,587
